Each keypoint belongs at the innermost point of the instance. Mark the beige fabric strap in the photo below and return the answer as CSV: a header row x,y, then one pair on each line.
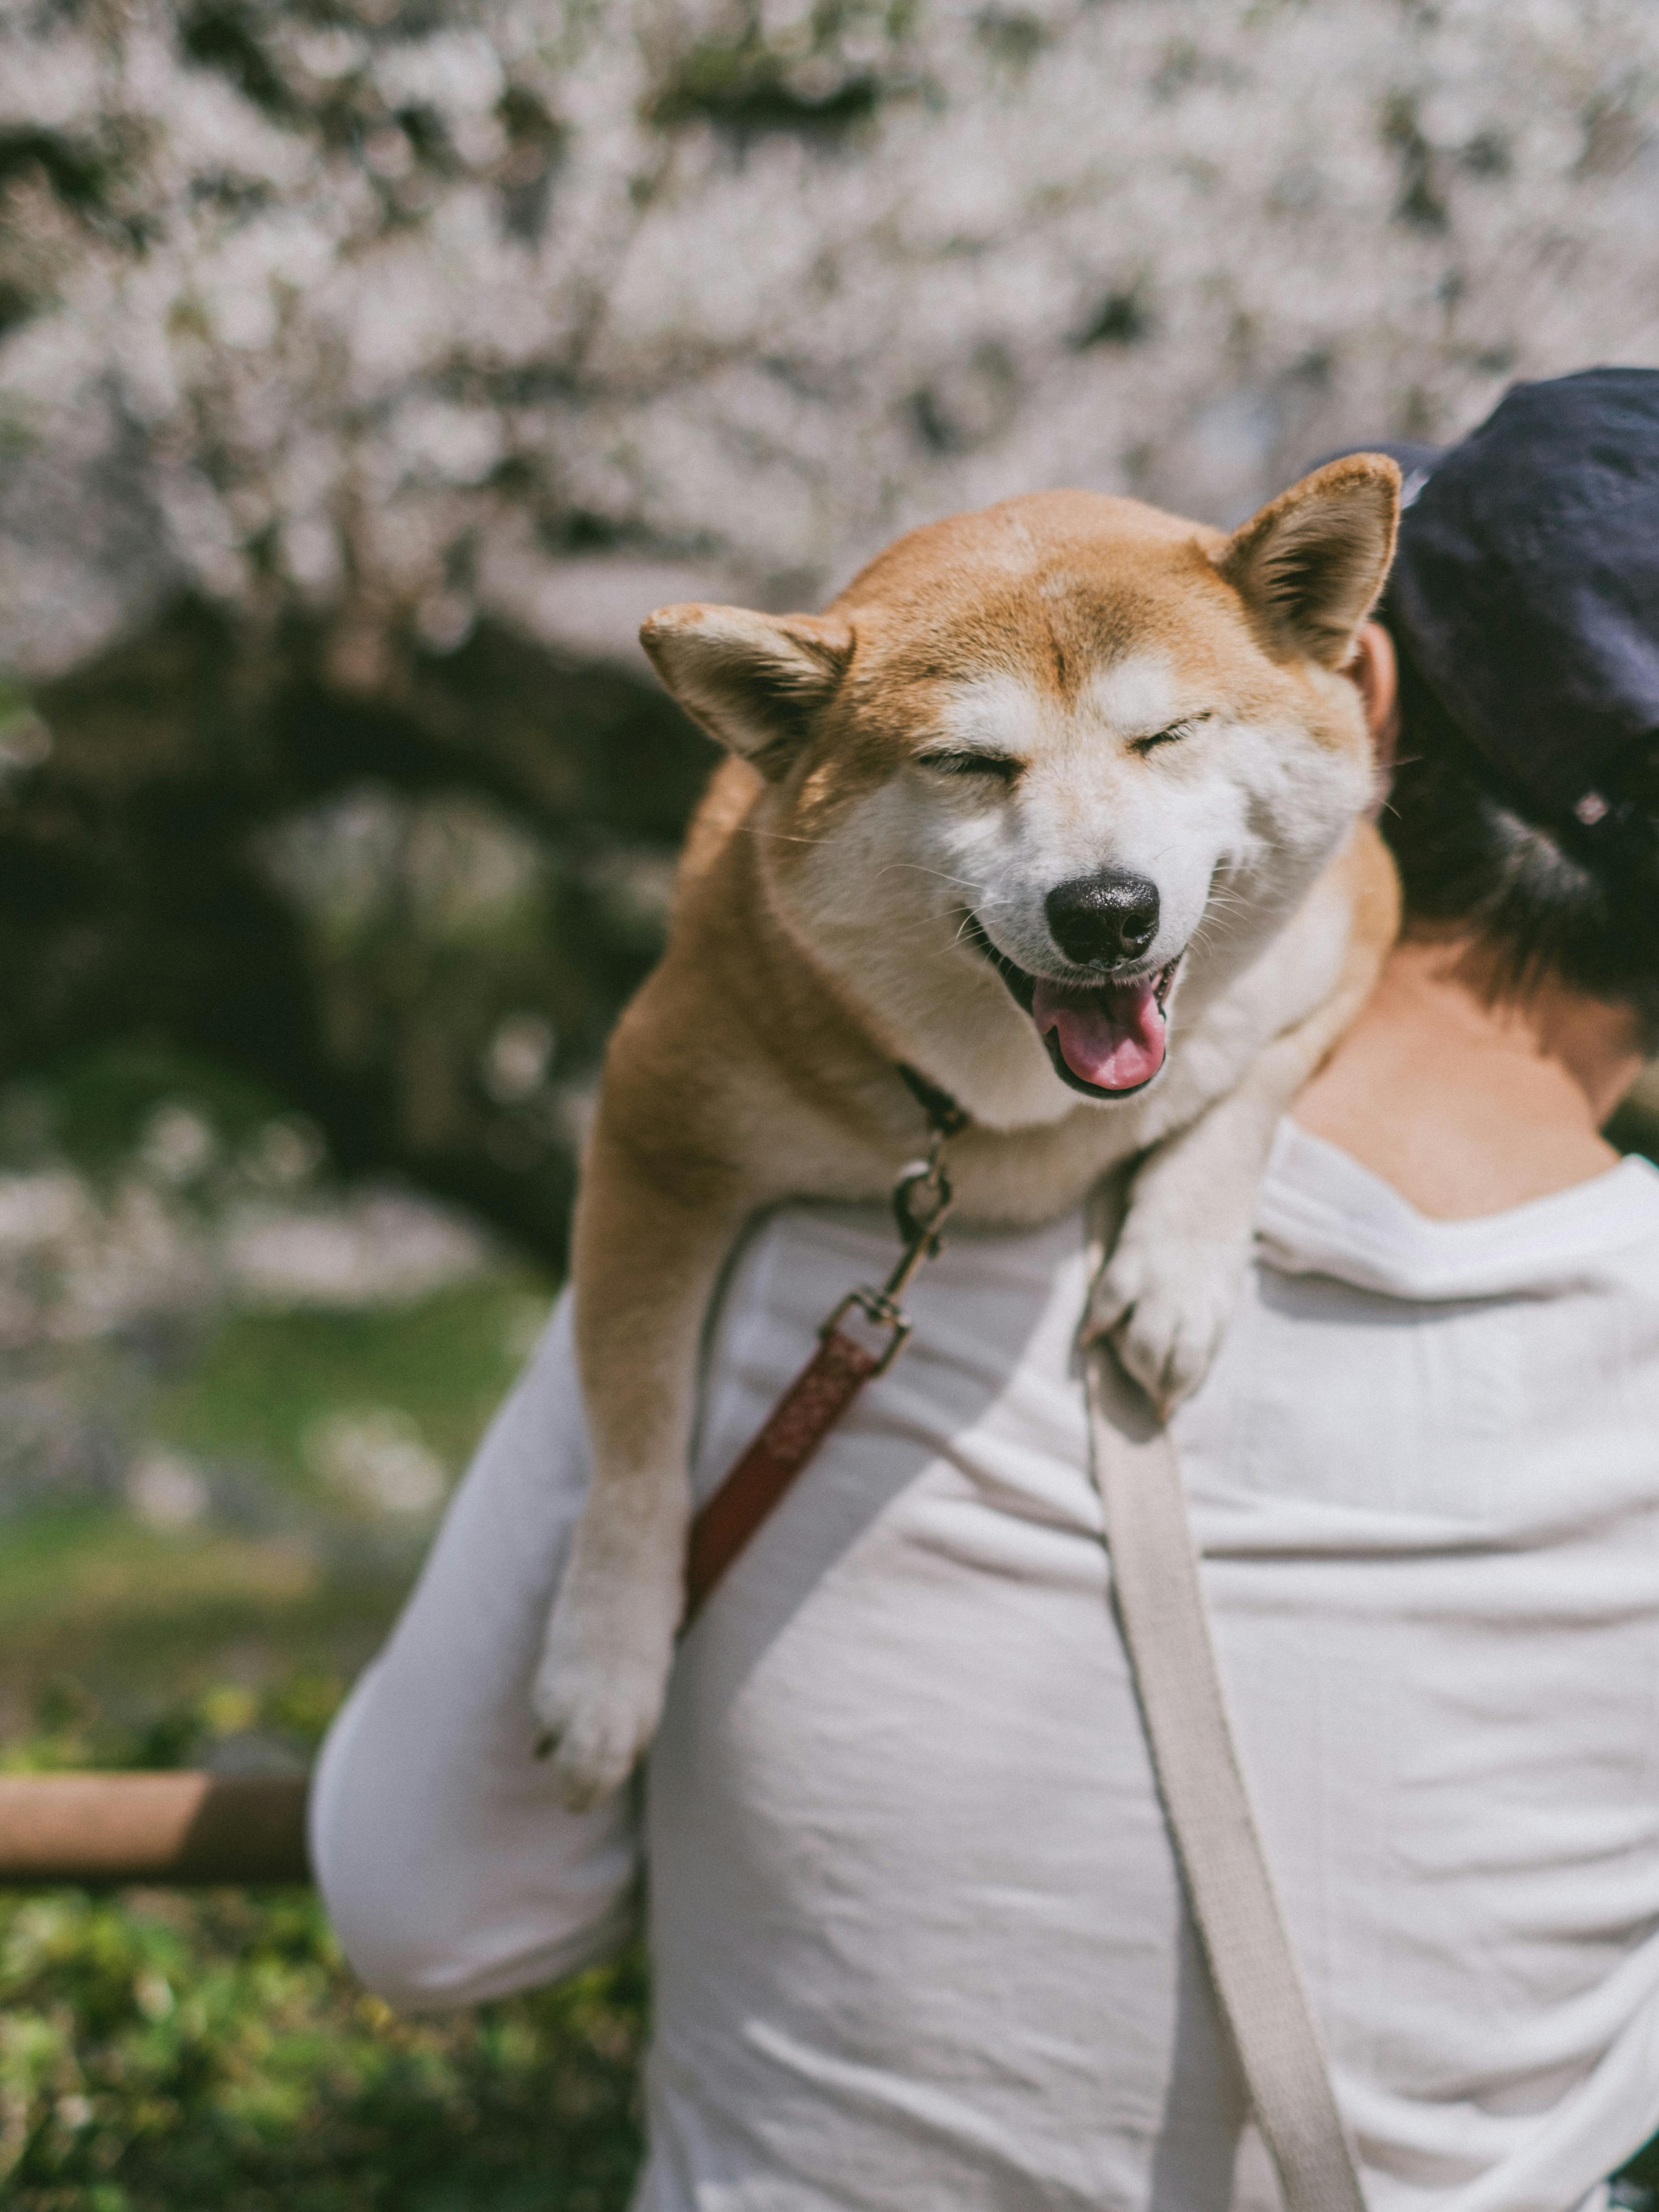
x,y
1160,1605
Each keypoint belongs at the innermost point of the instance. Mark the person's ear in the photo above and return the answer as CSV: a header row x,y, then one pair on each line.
x,y
1373,669
756,683
1310,566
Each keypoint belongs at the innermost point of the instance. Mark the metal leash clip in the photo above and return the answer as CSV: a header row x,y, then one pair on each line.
x,y
922,1197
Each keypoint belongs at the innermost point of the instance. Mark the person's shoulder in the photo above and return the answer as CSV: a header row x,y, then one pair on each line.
x,y
1629,1195
1324,1213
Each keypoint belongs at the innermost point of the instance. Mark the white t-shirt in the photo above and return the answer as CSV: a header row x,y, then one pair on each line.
x,y
919,1943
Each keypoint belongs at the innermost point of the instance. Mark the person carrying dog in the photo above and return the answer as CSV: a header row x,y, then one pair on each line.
x,y
918,1935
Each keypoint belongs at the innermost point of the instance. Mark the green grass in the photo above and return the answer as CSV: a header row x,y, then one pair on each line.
x,y
161,2053
109,1622
265,1381
85,1571
104,1613
169,2053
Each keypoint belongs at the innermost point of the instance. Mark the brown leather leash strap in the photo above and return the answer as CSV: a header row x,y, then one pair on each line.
x,y
796,1426
821,1393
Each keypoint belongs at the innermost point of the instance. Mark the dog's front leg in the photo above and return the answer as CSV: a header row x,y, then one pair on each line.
x,y
646,1258
1168,1291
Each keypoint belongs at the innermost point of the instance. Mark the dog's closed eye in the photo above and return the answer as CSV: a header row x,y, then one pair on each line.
x,y
1000,768
1171,734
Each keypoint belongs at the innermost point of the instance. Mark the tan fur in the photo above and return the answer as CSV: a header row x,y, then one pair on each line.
x,y
757,1062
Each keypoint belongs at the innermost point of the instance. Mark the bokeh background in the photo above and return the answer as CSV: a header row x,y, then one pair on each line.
x,y
367,369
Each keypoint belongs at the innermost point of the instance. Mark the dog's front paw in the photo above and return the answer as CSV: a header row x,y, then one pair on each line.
x,y
1165,1304
598,1690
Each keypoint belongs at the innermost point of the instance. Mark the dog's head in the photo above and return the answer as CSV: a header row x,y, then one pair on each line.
x,y
1037,763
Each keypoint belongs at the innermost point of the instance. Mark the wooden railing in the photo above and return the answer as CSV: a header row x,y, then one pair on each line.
x,y
105,1829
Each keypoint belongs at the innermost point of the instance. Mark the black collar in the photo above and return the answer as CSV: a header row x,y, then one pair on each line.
x,y
944,1117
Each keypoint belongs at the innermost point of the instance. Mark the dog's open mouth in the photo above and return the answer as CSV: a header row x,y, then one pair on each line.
x,y
1103,1039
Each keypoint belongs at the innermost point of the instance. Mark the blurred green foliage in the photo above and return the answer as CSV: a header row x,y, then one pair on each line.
x,y
283,1568
92,1109
170,2052
408,913
261,1385
166,2053
174,2053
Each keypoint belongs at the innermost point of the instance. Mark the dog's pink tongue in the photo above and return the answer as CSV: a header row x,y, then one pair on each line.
x,y
1113,1038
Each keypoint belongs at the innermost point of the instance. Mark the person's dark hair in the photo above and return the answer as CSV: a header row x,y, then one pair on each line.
x,y
1522,603
1474,858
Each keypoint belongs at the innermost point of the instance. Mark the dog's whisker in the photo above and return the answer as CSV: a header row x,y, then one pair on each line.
x,y
922,868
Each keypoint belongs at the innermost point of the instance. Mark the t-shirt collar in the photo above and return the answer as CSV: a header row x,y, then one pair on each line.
x,y
1321,1213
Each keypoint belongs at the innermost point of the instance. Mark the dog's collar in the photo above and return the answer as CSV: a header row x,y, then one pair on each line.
x,y
944,1117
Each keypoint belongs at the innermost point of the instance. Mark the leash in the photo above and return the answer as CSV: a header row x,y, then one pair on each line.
x,y
1235,1907
858,1341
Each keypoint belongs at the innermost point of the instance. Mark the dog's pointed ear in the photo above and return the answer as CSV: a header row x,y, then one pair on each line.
x,y
1310,566
757,683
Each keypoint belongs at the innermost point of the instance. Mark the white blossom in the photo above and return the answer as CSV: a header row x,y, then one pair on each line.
x,y
418,314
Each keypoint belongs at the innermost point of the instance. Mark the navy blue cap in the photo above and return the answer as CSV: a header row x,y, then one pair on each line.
x,y
1526,588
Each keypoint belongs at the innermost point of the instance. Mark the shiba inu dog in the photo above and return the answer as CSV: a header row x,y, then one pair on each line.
x,y
1060,806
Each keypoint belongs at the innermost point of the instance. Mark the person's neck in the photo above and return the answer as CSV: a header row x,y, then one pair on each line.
x,y
1468,1102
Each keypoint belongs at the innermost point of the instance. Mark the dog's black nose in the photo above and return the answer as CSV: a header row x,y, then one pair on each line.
x,y
1098,920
